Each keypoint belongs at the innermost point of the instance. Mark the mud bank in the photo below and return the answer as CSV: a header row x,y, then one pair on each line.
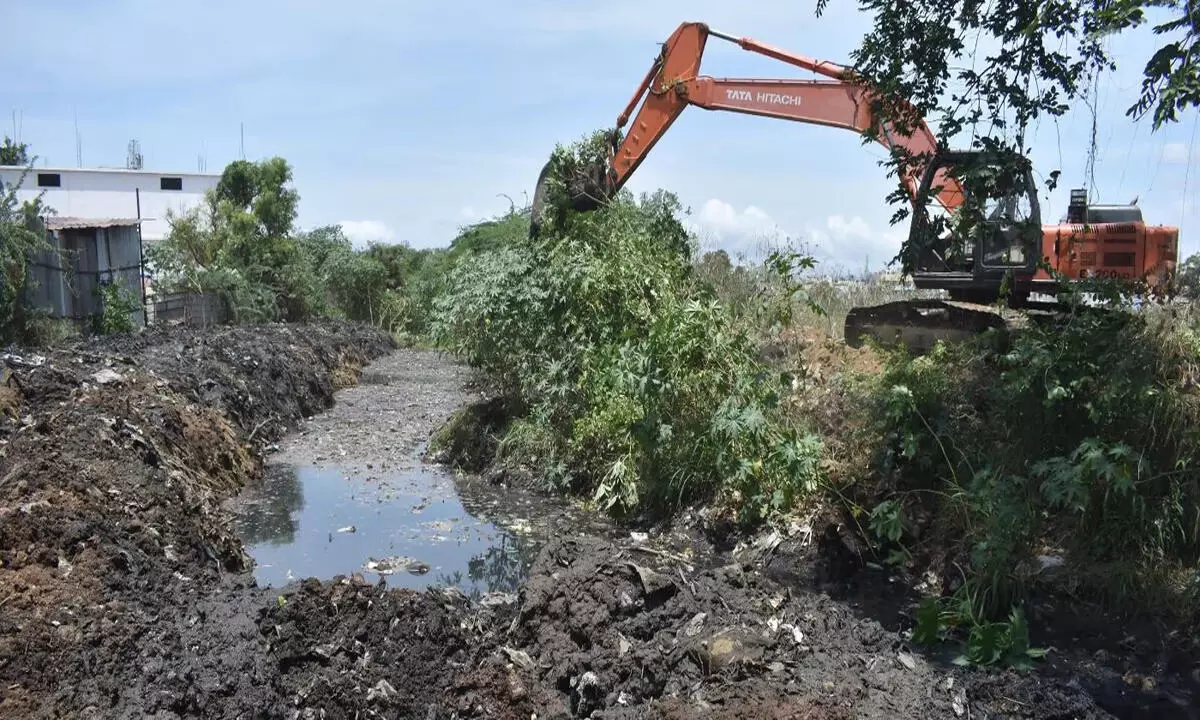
x,y
124,591
121,584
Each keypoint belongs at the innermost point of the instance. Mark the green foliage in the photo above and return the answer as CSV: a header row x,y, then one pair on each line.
x,y
241,244
1079,436
22,239
635,383
415,278
13,153
1003,642
1187,277
117,304
1047,54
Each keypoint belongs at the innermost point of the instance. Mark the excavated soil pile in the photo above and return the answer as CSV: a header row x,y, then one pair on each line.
x,y
611,633
114,459
124,592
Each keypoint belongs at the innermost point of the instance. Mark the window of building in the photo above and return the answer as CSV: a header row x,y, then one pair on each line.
x,y
170,183
49,180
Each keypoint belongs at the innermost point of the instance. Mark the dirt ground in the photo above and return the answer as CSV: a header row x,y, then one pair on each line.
x,y
124,593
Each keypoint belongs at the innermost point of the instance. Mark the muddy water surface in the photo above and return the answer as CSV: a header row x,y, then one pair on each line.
x,y
349,492
320,522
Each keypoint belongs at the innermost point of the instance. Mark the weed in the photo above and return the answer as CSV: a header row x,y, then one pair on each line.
x,y
117,305
1004,642
1077,438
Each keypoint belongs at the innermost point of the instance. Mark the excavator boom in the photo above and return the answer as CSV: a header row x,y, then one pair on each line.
x,y
674,82
971,263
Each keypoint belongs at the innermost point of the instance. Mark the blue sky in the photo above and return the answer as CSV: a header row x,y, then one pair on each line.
x,y
405,121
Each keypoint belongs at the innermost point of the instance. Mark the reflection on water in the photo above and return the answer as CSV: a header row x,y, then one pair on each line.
x,y
271,517
317,522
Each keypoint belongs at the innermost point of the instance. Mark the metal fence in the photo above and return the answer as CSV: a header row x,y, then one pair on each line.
x,y
189,309
86,255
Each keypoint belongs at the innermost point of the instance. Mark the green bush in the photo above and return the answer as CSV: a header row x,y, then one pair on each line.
x,y
634,383
22,240
118,303
1077,438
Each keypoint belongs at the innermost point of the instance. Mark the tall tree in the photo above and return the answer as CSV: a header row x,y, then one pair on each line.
x,y
13,153
1047,54
22,238
1188,277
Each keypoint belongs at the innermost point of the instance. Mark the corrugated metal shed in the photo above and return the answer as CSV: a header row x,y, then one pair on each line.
x,y
87,252
75,223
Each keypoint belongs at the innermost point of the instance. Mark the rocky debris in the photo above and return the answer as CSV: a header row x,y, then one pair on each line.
x,y
611,638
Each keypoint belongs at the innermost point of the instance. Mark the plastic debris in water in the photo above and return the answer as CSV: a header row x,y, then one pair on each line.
x,y
396,563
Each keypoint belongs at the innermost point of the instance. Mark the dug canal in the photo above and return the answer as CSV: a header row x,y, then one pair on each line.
x,y
349,492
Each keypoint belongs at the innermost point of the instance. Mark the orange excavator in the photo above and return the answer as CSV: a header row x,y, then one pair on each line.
x,y
996,256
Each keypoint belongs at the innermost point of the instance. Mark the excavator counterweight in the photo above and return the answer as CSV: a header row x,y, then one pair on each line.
x,y
994,254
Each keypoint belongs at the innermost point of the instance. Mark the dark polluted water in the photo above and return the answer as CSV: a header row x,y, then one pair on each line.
x,y
409,526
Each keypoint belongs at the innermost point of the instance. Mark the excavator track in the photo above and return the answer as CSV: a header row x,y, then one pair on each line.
x,y
919,324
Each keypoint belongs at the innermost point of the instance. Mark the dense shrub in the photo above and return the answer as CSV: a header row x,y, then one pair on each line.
x,y
241,244
22,240
632,380
1078,438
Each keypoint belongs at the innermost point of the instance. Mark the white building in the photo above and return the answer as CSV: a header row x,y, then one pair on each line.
x,y
104,193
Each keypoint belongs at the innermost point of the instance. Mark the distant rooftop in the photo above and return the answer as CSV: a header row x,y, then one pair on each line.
x,y
55,222
102,169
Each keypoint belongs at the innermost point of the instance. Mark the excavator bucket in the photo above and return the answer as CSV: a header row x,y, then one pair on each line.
x,y
587,187
919,324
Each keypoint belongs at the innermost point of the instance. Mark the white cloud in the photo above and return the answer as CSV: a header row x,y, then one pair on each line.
x,y
849,244
735,231
723,217
363,232
840,244
1175,153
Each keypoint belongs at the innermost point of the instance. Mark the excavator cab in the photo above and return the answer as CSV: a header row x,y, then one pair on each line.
x,y
994,233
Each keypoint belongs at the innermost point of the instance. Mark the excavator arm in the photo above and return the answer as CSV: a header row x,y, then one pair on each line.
x,y
673,83
972,264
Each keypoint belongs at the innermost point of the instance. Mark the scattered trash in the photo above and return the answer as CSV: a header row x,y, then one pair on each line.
x,y
774,625
394,564
107,377
652,581
959,703
382,689
347,529
520,658
797,635
19,361
495,599
907,660
1049,562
